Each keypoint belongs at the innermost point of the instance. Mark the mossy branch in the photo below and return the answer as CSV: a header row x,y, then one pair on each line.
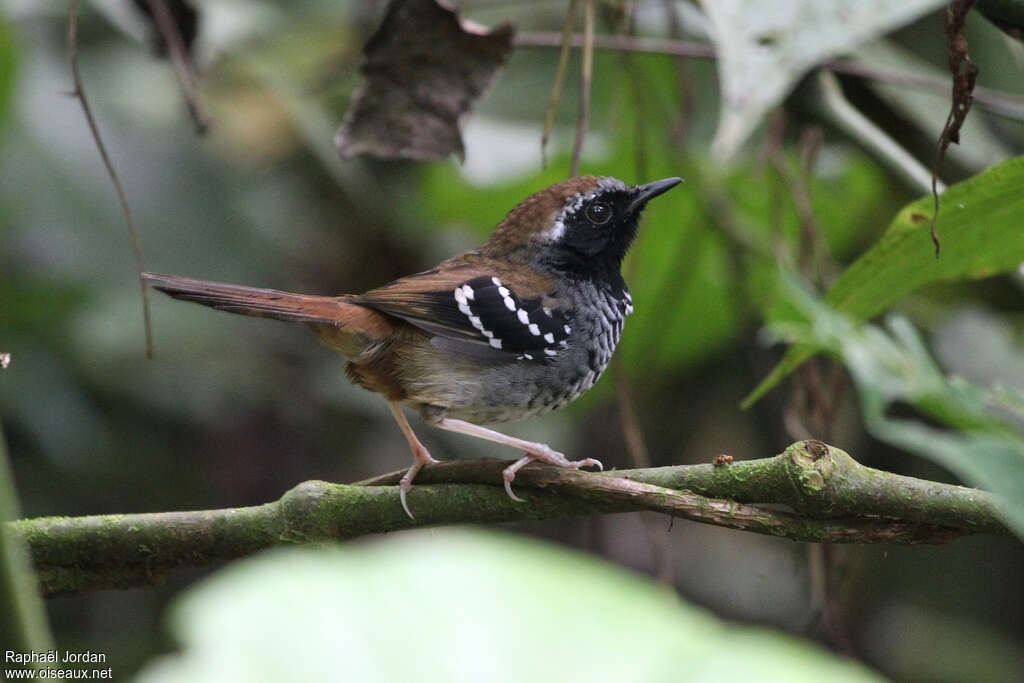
x,y
830,498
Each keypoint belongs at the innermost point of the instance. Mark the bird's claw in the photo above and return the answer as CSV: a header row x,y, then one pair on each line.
x,y
508,490
404,485
509,474
586,462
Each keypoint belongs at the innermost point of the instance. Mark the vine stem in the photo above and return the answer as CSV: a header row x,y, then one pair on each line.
x,y
133,233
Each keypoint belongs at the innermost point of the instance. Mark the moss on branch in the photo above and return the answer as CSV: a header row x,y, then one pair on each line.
x,y
832,497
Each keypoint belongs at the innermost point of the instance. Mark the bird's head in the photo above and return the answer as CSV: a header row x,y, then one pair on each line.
x,y
582,226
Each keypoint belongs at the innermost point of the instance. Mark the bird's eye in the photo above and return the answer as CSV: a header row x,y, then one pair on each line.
x,y
599,213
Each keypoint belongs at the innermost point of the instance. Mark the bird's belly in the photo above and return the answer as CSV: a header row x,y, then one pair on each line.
x,y
522,389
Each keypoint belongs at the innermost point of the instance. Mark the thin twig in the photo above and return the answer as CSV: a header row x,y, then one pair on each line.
x,y
636,447
965,74
832,106
683,79
556,88
79,92
639,457
586,71
998,102
183,67
811,410
679,48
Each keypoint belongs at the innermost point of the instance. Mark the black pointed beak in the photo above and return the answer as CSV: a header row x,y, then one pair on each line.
x,y
645,193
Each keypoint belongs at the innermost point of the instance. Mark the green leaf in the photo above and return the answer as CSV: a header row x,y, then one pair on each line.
x,y
979,225
464,606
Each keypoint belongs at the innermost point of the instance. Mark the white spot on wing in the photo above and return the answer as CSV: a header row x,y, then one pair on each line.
x,y
549,338
524,317
534,330
496,343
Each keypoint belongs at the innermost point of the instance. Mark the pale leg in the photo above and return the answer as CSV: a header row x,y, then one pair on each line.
x,y
534,451
421,456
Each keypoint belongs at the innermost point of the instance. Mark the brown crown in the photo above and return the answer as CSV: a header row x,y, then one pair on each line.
x,y
536,214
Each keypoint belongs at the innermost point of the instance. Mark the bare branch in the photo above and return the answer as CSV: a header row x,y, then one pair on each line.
x,y
556,88
998,102
586,71
965,73
183,66
79,92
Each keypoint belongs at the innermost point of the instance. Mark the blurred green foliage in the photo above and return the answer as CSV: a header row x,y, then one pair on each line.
x,y
333,614
235,411
8,64
979,220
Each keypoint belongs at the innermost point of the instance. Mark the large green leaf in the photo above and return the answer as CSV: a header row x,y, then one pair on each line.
x,y
457,606
981,228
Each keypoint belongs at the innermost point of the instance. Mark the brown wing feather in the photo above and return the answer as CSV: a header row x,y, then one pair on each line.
x,y
415,294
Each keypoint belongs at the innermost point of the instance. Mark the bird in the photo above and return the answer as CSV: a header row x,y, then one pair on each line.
x,y
520,326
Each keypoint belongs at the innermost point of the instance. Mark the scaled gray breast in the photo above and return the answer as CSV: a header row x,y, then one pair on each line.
x,y
597,329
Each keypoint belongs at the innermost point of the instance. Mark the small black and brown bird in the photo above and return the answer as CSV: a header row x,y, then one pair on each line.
x,y
518,327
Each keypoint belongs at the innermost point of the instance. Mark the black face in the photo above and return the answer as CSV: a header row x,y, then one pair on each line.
x,y
599,228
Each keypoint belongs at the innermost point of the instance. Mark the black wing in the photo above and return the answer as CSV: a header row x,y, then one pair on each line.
x,y
484,316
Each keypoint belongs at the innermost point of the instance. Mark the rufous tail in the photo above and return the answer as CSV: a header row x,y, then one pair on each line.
x,y
347,327
264,303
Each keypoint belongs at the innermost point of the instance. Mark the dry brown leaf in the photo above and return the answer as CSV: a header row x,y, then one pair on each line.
x,y
424,70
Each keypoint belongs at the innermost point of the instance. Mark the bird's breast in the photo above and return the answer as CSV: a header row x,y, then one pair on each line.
x,y
597,328
526,388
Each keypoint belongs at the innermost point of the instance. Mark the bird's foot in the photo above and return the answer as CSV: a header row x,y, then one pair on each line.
x,y
547,455
421,457
586,462
509,474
